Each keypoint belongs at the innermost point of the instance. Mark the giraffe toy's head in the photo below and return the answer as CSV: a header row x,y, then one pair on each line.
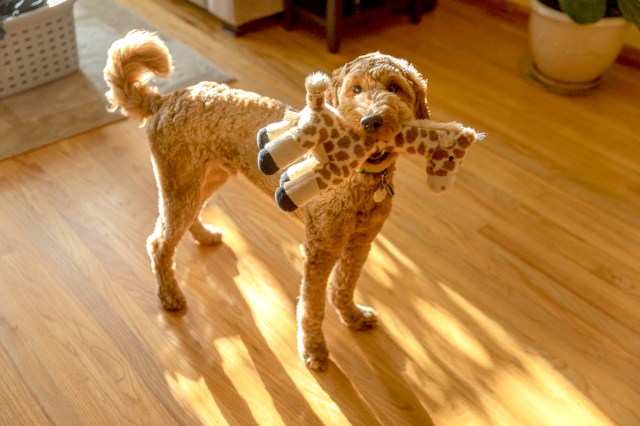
x,y
444,145
443,163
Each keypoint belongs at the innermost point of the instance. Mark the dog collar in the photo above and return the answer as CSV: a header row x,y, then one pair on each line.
x,y
374,160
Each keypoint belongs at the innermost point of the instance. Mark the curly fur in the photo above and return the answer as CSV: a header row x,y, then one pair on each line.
x,y
133,61
201,135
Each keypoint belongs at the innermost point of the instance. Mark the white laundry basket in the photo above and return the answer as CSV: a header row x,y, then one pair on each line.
x,y
38,47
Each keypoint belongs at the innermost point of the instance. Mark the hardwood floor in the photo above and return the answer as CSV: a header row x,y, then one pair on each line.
x,y
512,300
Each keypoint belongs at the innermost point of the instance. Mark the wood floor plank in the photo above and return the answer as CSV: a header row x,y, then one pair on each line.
x,y
511,300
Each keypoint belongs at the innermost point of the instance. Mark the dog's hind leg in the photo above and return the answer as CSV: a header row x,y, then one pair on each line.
x,y
203,233
178,209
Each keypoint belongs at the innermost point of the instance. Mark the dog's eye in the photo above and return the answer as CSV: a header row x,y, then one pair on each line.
x,y
393,88
357,89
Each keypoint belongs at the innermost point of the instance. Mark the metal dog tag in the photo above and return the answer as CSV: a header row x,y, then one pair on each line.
x,y
380,194
383,190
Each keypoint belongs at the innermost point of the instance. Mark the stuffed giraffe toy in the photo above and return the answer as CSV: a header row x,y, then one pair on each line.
x,y
337,152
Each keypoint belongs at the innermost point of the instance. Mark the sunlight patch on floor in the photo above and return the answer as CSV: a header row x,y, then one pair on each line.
x,y
454,332
522,379
386,245
231,234
274,313
489,326
267,301
410,343
543,390
241,371
196,397
385,262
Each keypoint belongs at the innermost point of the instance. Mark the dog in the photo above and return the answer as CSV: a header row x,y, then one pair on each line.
x,y
201,135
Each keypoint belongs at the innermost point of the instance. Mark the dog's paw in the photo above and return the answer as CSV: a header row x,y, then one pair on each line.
x,y
365,318
207,235
315,355
316,360
172,300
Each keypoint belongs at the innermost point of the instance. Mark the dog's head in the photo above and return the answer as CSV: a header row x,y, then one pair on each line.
x,y
376,93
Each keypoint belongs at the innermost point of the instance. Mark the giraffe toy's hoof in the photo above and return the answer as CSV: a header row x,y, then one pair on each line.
x,y
283,201
266,163
263,138
284,178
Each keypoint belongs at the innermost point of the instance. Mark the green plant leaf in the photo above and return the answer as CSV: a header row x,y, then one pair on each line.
x,y
584,11
631,11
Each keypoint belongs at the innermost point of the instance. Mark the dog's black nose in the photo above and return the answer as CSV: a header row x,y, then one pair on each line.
x,y
371,123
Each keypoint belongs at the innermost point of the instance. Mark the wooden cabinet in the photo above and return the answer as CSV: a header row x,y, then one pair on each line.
x,y
336,14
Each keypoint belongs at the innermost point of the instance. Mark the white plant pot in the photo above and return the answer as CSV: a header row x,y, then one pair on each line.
x,y
567,52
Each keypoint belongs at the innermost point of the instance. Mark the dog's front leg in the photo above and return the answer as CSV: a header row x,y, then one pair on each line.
x,y
345,278
310,311
348,269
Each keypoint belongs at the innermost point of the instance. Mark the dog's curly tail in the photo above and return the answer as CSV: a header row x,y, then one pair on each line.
x,y
131,62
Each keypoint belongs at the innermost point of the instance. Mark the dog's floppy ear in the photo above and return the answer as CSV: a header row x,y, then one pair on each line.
x,y
420,108
332,94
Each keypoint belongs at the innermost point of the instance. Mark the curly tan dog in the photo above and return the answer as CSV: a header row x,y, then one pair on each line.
x,y
201,135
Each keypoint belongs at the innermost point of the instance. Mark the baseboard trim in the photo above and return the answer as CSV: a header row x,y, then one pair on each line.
x,y
630,56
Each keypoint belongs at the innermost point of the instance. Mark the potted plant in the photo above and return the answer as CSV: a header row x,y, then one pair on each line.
x,y
573,42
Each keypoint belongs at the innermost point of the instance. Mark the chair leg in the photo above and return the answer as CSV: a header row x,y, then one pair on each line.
x,y
333,22
288,14
428,5
415,10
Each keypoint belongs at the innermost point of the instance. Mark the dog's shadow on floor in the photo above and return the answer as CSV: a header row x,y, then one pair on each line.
x,y
220,325
217,336
361,372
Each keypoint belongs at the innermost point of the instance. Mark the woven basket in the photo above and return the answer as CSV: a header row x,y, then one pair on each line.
x,y
38,47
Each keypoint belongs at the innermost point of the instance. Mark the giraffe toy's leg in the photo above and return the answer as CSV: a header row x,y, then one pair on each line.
x,y
297,170
272,131
298,192
282,151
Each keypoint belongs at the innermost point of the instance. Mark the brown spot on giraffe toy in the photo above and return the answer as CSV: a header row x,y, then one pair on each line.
x,y
337,151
